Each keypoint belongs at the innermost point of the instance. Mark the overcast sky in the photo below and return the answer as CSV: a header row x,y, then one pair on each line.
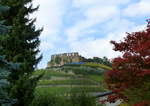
x,y
87,26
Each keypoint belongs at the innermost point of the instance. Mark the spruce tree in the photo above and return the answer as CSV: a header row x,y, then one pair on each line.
x,y
21,45
5,68
3,28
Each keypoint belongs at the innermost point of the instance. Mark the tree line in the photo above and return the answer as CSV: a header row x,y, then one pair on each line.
x,y
99,60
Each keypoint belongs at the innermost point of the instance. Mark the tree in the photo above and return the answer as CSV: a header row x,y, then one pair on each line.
x,y
21,45
3,28
5,68
106,61
130,77
103,60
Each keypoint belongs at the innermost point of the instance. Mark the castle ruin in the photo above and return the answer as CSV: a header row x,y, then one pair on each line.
x,y
61,59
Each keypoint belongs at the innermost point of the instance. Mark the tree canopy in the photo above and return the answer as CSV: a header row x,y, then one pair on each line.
x,y
130,76
5,68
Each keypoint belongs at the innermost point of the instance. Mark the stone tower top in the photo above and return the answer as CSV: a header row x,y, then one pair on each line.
x,y
67,54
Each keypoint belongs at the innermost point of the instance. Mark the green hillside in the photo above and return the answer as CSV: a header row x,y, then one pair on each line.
x,y
62,80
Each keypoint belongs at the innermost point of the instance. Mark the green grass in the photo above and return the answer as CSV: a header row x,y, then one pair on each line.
x,y
52,90
98,78
49,73
51,78
54,87
98,66
44,97
65,90
79,81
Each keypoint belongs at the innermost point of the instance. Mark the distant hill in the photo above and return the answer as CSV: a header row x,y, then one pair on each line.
x,y
77,74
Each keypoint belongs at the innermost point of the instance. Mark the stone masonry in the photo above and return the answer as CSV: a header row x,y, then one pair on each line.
x,y
61,59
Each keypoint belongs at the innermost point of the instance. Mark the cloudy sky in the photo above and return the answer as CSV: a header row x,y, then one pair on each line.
x,y
87,26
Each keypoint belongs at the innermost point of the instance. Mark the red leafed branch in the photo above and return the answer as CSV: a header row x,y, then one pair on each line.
x,y
131,72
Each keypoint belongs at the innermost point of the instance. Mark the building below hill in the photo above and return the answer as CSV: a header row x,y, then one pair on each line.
x,y
61,59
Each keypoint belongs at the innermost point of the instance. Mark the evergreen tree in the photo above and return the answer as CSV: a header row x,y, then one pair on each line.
x,y
5,69
3,28
21,45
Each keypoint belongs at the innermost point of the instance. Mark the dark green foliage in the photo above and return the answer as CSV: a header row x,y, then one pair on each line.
x,y
75,99
24,85
83,70
103,60
5,70
3,28
20,45
82,99
3,8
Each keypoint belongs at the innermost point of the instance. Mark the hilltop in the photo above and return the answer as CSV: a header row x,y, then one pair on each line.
x,y
73,70
72,73
58,60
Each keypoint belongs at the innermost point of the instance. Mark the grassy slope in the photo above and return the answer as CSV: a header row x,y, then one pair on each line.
x,y
49,73
90,83
79,81
66,90
98,65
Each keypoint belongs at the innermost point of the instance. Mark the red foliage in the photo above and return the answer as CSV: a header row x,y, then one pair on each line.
x,y
116,90
102,101
144,73
112,98
143,103
132,69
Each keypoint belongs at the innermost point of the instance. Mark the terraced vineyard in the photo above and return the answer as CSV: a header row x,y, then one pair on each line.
x,y
78,82
88,77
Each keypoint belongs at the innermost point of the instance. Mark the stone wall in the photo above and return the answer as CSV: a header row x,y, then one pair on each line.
x,y
61,59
